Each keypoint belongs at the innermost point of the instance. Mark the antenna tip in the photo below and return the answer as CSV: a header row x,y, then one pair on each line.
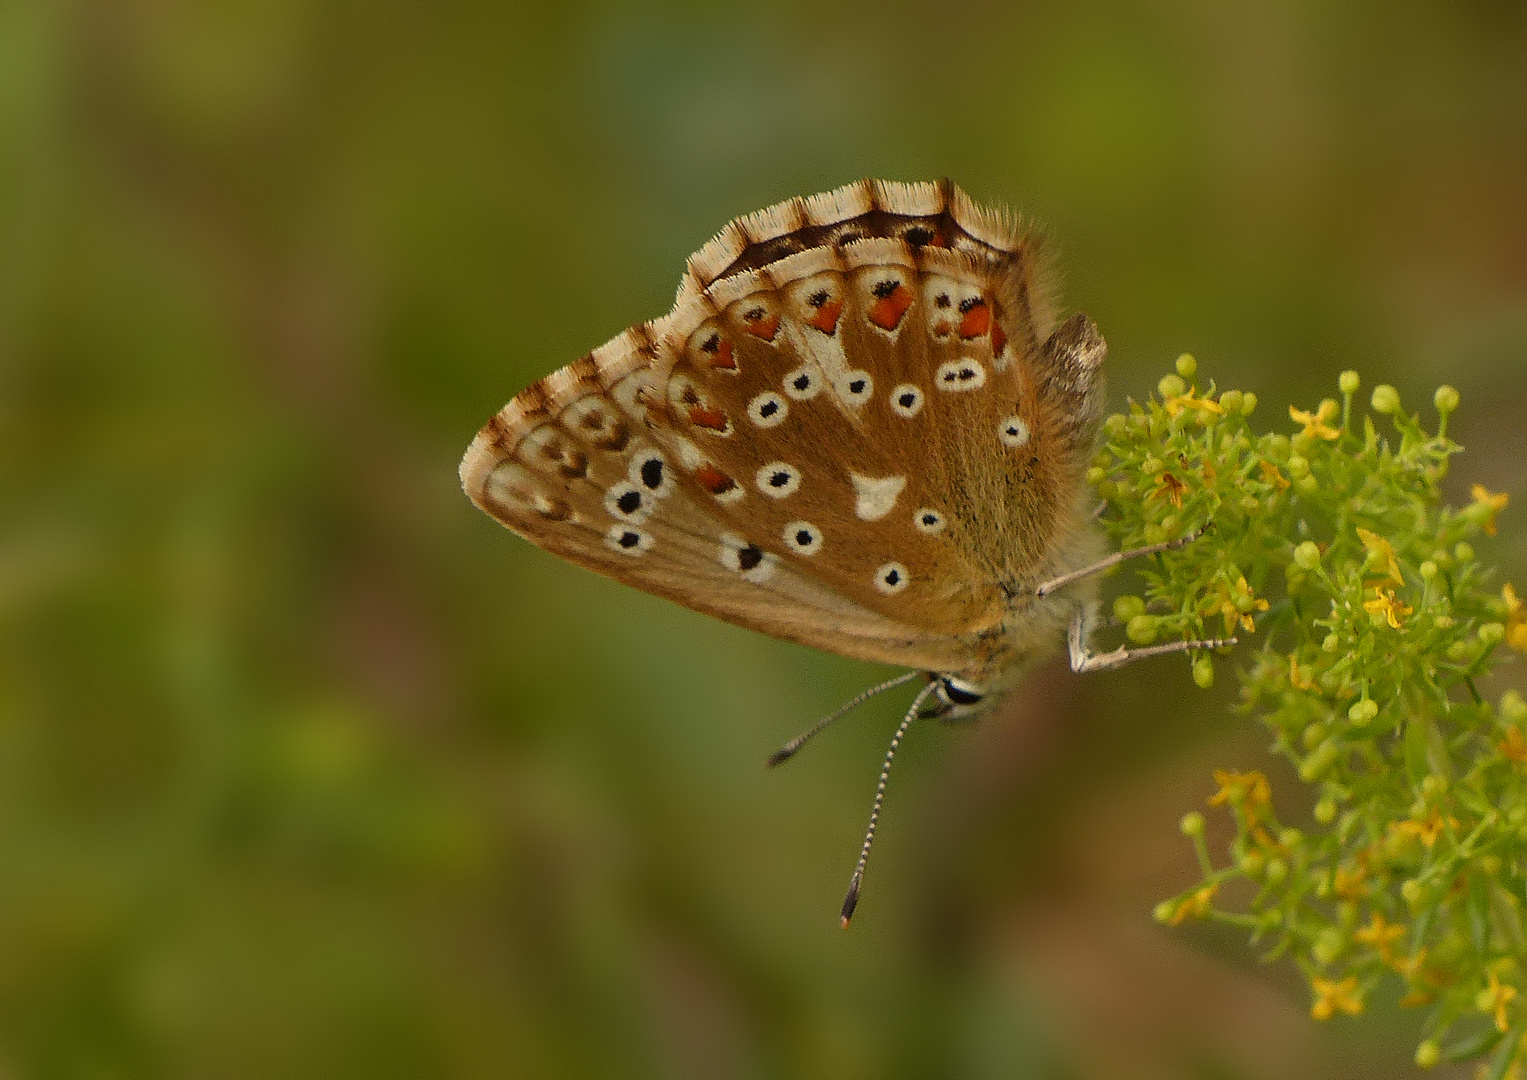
x,y
779,757
850,902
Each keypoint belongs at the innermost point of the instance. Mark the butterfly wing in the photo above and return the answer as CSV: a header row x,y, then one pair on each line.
x,y
853,431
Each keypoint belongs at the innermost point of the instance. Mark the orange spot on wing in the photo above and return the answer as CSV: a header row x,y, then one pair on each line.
x,y
998,339
714,480
939,240
765,327
826,318
886,312
941,328
714,419
976,322
722,359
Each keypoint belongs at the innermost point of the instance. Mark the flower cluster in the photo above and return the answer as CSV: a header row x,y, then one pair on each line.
x,y
1373,621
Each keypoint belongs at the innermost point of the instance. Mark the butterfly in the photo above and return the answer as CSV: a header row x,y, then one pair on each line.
x,y
862,427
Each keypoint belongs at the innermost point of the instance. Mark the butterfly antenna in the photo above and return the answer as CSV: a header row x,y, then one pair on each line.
x,y
788,751
851,901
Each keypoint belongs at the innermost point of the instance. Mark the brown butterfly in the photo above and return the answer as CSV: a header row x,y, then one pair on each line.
x,y
862,427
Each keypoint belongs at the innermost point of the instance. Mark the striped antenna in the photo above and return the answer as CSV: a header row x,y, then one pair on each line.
x,y
851,901
788,751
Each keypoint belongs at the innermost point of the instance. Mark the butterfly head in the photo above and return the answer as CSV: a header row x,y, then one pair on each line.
x,y
955,697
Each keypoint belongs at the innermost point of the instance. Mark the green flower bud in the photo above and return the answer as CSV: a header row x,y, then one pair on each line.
x,y
1192,824
1142,629
1443,622
1277,870
1127,607
1428,1054
1232,401
1251,862
1332,643
1171,386
1320,759
1514,709
1325,810
1307,555
1096,475
1446,399
1463,552
1203,672
1298,467
1187,366
1414,892
1492,633
1151,466
1349,382
1364,711
1428,570
1164,911
1329,945
1248,403
1386,399
1116,426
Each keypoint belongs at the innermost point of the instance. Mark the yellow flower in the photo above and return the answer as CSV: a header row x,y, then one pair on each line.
x,y
1516,618
1190,400
1171,488
1236,603
1410,966
1377,545
1298,682
1388,606
1348,883
1332,997
1381,934
1426,831
1495,998
1249,792
1316,424
1195,906
1494,502
1271,474
1514,746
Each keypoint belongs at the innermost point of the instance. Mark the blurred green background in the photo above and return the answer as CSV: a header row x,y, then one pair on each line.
x,y
308,769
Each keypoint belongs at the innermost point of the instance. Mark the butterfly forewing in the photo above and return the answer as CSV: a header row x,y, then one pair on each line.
x,y
850,432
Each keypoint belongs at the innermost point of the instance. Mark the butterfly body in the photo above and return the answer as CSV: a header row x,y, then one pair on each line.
x,y
861,428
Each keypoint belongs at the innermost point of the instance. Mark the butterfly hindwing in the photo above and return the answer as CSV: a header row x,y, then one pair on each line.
x,y
855,430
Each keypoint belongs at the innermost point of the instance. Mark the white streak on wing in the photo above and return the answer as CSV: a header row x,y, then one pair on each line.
x,y
875,496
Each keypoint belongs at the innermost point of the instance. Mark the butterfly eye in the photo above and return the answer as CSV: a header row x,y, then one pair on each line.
x,y
779,479
958,692
803,537
768,409
1013,431
856,387
891,578
802,384
906,401
928,520
628,541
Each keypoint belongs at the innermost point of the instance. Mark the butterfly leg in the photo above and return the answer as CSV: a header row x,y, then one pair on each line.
x,y
1083,659
1047,587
